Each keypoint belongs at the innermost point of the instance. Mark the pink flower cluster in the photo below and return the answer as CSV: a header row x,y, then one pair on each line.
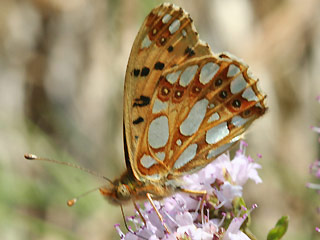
x,y
223,180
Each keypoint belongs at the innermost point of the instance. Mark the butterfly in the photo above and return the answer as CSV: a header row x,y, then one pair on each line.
x,y
183,106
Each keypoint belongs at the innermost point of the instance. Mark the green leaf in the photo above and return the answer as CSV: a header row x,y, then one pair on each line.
x,y
238,204
279,230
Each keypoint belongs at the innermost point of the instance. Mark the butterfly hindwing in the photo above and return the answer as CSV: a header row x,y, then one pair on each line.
x,y
226,102
183,106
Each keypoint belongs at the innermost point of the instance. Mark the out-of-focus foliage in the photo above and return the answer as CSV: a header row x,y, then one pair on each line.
x,y
279,230
62,67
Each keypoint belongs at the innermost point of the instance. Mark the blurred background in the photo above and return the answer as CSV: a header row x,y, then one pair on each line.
x,y
62,69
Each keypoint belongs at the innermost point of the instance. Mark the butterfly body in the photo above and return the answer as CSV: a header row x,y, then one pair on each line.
x,y
183,106
128,188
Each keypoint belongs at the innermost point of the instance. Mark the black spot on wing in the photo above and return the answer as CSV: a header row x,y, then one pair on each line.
x,y
170,49
223,94
163,41
136,72
145,71
191,20
236,103
159,66
142,101
189,51
138,120
218,82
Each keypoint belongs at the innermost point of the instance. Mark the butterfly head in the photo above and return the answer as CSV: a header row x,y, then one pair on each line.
x,y
116,193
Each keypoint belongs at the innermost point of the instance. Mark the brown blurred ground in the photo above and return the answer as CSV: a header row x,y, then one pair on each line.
x,y
62,67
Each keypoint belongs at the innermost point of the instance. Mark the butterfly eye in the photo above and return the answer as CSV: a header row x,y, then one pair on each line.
x,y
236,103
123,192
218,82
223,94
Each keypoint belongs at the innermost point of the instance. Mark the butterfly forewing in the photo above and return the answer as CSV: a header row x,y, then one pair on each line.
x,y
183,105
166,39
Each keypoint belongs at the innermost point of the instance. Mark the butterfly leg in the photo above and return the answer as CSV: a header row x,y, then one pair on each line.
x,y
124,219
138,210
197,192
125,222
158,213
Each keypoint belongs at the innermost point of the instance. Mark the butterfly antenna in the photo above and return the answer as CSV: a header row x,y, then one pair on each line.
x,y
73,201
29,156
